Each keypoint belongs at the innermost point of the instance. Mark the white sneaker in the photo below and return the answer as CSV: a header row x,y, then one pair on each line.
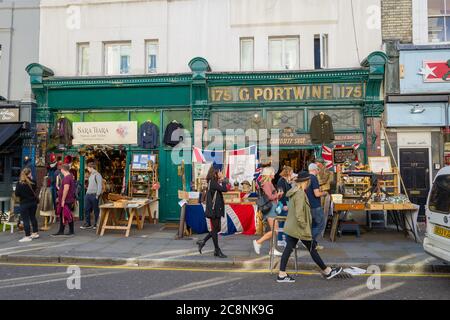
x,y
26,239
34,235
257,247
277,253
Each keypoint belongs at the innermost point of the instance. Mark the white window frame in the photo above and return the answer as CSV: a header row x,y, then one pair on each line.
x,y
147,44
444,15
323,47
80,47
283,39
105,55
242,40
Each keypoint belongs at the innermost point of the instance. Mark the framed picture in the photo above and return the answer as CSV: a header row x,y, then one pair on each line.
x,y
378,164
232,197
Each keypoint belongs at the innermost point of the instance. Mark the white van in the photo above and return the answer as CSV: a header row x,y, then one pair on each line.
x,y
437,237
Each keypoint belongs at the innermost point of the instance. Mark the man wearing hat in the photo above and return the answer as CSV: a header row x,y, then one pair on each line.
x,y
314,194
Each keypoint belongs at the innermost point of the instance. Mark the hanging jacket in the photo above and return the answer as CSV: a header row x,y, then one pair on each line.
x,y
45,198
148,135
172,135
321,130
62,132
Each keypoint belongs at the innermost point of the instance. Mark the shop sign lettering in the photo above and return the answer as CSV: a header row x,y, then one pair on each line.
x,y
287,93
293,139
112,133
9,115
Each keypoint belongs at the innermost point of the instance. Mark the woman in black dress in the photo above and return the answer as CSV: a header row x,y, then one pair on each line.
x,y
215,209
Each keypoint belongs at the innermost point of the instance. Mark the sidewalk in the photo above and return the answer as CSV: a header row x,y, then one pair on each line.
x,y
155,246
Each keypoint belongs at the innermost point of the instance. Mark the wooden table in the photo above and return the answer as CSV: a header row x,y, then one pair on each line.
x,y
402,210
109,219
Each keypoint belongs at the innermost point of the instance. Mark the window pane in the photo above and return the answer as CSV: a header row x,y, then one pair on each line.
x,y
291,54
324,57
440,195
436,29
2,168
84,60
447,6
317,53
447,24
112,59
247,54
152,57
285,118
237,120
435,7
344,119
124,59
275,55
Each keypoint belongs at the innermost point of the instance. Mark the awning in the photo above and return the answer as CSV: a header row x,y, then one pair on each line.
x,y
7,131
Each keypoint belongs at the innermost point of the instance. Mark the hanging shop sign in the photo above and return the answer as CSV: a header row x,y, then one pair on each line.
x,y
109,133
341,155
9,115
287,93
435,71
289,137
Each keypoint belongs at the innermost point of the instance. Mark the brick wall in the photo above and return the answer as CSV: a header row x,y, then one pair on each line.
x,y
396,20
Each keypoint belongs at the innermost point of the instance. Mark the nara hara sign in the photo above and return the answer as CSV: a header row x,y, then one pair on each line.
x,y
287,93
113,133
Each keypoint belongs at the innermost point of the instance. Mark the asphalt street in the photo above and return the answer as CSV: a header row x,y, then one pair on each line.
x,y
51,282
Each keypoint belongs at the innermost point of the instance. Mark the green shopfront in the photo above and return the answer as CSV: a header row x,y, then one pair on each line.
x,y
203,100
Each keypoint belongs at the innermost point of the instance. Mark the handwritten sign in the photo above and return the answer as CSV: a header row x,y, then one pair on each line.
x,y
378,164
341,155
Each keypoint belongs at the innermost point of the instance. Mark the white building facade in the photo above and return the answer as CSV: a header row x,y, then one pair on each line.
x,y
106,37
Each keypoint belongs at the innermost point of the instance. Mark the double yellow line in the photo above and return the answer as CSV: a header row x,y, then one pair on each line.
x,y
137,268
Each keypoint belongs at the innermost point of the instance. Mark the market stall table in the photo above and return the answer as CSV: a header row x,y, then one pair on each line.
x,y
408,212
240,218
111,214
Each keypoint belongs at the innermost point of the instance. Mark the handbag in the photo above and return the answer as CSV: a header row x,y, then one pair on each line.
x,y
214,197
263,202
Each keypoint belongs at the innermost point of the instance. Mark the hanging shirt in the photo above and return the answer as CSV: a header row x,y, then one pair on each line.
x,y
173,134
148,135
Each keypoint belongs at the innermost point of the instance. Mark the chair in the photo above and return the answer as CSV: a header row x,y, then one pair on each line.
x,y
273,244
9,222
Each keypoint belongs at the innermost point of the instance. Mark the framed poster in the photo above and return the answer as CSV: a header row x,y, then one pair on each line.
x,y
343,154
140,161
378,164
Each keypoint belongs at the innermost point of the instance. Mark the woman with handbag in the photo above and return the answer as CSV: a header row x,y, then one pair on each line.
x,y
298,227
26,191
270,209
215,209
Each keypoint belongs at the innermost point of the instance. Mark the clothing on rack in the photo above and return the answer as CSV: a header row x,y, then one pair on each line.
x,y
148,135
321,129
45,198
173,134
62,132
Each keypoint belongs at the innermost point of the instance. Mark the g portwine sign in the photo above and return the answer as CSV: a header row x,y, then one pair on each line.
x,y
112,133
9,115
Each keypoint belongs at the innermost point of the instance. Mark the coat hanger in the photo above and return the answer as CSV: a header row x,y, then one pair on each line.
x,y
174,121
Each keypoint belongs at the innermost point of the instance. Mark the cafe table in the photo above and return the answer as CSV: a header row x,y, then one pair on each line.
x,y
121,215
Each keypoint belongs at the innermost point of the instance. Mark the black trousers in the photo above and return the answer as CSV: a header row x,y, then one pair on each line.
x,y
62,226
290,245
215,229
28,214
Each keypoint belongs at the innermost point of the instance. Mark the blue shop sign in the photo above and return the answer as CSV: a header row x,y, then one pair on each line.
x,y
416,114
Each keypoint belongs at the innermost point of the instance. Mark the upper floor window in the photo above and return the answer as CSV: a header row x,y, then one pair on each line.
x,y
320,51
117,58
247,61
438,20
152,56
284,53
83,59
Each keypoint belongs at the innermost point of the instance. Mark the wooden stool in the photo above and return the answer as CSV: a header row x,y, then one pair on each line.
x,y
49,218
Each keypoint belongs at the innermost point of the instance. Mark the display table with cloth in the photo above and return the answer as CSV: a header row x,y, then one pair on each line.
x,y
121,216
239,218
407,217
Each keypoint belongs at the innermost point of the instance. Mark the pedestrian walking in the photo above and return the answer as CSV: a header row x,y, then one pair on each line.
x,y
26,191
314,195
273,195
298,226
93,193
66,202
215,208
284,185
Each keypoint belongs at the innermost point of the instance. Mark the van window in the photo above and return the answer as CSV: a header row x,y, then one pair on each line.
x,y
440,195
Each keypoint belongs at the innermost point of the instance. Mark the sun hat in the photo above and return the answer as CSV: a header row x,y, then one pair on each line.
x,y
302,176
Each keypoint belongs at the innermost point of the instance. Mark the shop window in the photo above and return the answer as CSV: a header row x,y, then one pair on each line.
x,y
440,195
281,119
15,169
152,56
105,116
2,169
247,54
83,59
320,51
284,53
237,120
438,21
343,119
117,58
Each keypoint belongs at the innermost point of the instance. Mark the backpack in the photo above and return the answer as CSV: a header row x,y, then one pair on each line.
x,y
78,189
263,202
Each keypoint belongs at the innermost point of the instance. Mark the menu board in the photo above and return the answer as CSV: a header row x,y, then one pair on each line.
x,y
140,161
341,155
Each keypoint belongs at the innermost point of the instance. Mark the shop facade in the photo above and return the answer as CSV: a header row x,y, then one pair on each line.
x,y
204,100
417,118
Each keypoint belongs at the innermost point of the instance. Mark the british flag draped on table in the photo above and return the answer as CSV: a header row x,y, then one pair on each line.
x,y
239,218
